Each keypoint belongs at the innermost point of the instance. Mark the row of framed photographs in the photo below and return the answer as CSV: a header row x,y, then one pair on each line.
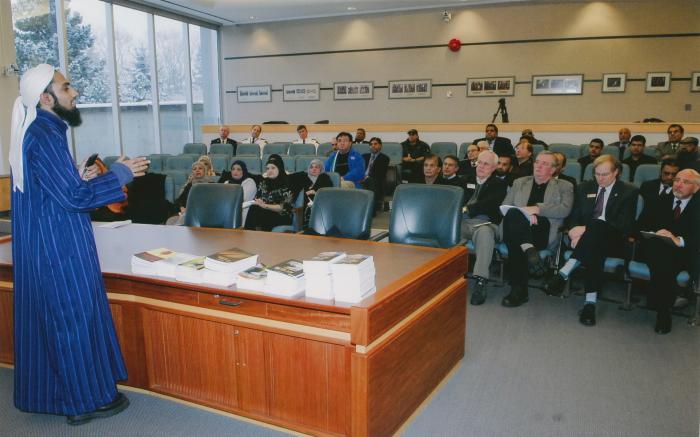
x,y
567,84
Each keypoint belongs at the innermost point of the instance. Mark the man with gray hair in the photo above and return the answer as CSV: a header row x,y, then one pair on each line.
x,y
484,192
67,357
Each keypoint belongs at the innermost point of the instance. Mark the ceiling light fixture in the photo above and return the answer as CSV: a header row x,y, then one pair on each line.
x,y
351,8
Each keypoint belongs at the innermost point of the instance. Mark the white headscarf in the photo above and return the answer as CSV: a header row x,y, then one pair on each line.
x,y
33,83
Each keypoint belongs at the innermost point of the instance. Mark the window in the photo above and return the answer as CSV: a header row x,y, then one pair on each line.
x,y
205,78
35,33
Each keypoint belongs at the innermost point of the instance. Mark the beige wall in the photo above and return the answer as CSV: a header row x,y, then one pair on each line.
x,y
635,57
8,85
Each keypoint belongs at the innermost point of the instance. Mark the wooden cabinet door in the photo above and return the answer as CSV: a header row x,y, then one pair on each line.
x,y
251,370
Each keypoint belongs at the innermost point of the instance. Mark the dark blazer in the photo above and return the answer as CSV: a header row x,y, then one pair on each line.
x,y
619,211
644,159
621,149
649,190
524,169
584,161
491,194
379,166
228,141
571,180
501,146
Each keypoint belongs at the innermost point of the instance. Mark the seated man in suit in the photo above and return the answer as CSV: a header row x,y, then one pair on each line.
x,y
669,149
661,186
528,133
541,204
450,168
637,156
602,219
484,193
688,154
414,152
523,153
595,148
304,136
376,165
505,169
467,165
502,146
360,135
559,173
255,138
623,141
224,139
432,170
675,217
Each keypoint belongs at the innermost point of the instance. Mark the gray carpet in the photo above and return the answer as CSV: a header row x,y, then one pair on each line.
x,y
528,371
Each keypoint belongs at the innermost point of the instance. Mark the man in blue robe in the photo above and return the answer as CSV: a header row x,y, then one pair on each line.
x,y
67,357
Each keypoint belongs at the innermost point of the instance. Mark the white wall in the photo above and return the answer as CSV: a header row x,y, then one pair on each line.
x,y
636,57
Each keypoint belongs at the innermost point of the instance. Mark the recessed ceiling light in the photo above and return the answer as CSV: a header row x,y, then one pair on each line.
x,y
351,8
252,17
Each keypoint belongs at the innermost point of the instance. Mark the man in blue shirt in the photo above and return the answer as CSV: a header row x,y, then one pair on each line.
x,y
347,162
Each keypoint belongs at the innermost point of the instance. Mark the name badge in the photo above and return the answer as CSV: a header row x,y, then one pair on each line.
x,y
471,186
592,195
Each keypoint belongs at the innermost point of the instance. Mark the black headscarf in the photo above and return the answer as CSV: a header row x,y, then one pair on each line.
x,y
227,176
281,179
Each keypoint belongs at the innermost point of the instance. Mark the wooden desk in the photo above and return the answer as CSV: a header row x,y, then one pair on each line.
x,y
309,365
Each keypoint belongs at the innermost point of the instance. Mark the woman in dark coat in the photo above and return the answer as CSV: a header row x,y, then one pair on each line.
x,y
273,204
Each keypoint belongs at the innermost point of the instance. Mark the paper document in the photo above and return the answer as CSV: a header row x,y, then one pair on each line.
x,y
113,225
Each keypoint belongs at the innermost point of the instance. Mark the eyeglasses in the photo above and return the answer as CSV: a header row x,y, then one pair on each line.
x,y
669,173
602,175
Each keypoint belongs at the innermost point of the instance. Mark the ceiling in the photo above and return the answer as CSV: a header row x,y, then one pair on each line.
x,y
232,12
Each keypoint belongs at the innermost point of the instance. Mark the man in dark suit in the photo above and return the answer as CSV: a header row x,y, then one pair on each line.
x,y
595,148
224,139
602,218
540,204
669,149
559,173
450,168
661,186
688,154
484,192
623,142
505,169
502,146
675,217
376,165
637,156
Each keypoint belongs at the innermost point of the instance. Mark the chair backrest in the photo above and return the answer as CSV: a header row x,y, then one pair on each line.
x,y
646,172
253,162
214,206
573,169
462,152
195,148
394,151
361,148
611,150
278,148
248,149
536,149
569,150
289,164
158,161
179,179
651,151
301,149
221,149
180,162
301,162
324,149
414,219
169,188
220,162
339,212
335,178
444,148
588,173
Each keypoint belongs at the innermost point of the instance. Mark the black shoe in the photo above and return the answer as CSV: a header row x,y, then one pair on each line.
x,y
118,405
518,296
479,294
663,323
587,315
534,262
554,286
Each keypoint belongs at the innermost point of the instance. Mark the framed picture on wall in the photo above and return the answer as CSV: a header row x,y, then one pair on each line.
x,y
257,93
614,82
490,86
552,85
695,82
353,90
410,89
301,92
658,82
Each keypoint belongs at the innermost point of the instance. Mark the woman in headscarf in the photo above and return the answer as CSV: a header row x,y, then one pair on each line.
x,y
239,175
198,176
315,179
206,160
273,202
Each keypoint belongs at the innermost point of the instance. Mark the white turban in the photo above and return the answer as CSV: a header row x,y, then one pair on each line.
x,y
33,83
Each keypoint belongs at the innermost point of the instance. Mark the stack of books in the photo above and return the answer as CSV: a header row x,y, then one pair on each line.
x,y
285,279
353,278
191,271
252,278
317,270
222,268
168,267
146,263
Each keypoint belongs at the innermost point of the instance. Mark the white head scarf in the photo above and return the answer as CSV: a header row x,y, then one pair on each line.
x,y
33,83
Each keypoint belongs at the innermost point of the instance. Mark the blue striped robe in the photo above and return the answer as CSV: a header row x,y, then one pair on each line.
x,y
67,358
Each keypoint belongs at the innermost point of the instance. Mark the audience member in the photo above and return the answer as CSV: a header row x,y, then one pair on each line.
x,y
468,165
224,139
669,149
347,162
314,178
523,153
661,186
255,137
360,135
623,141
450,170
601,220
206,160
239,175
197,176
304,136
688,154
502,146
432,167
674,217
414,151
484,194
528,133
637,156
505,169
595,148
559,174
376,165
541,204
273,203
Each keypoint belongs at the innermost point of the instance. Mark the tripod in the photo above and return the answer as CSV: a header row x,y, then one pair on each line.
x,y
502,110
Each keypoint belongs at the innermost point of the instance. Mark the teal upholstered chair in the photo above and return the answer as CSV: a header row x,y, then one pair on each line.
x,y
337,212
214,206
195,149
